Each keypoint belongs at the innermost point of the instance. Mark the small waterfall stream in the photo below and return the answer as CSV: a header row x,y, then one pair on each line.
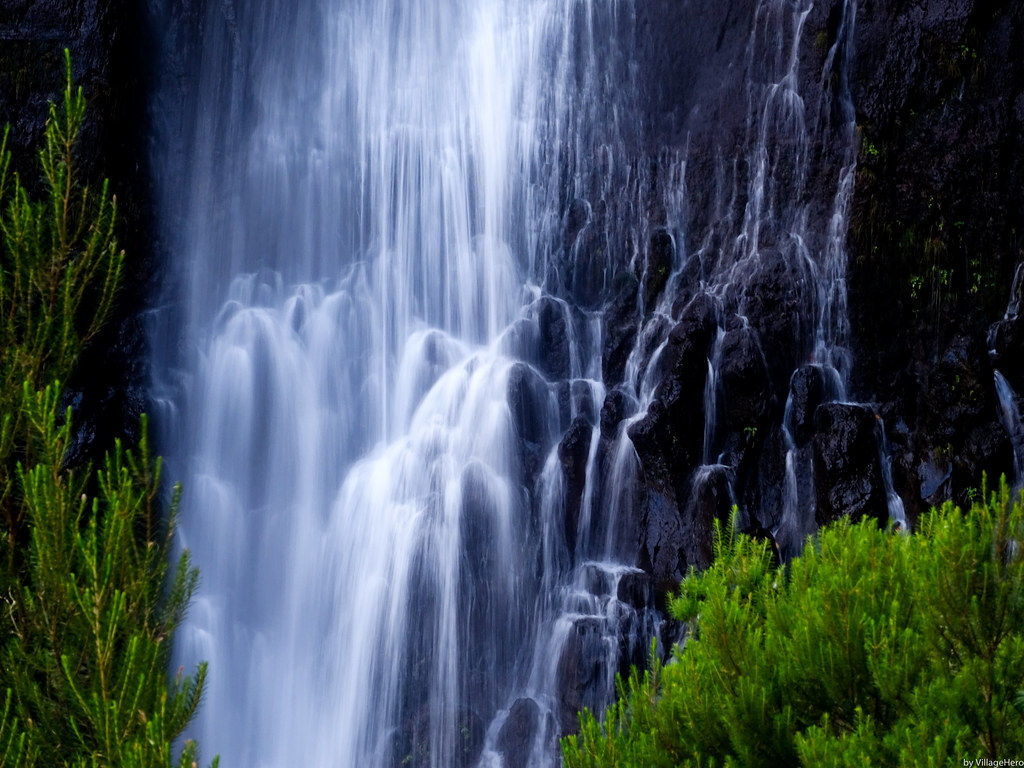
x,y
381,363
1007,397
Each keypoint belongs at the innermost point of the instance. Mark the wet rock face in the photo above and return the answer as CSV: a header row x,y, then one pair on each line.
x,y
664,536
573,453
774,302
581,671
1006,335
746,384
958,408
935,232
847,469
517,734
412,745
808,390
621,321
660,255
555,328
669,443
527,395
634,589
712,501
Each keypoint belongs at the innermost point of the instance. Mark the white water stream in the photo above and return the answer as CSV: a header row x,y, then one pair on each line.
x,y
365,202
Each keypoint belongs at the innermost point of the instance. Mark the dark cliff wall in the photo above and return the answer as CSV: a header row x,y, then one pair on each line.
x,y
938,230
107,40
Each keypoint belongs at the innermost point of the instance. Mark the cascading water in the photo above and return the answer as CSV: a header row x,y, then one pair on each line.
x,y
373,192
1009,408
413,488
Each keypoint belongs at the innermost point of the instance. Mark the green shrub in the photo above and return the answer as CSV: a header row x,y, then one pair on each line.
x,y
88,606
60,267
872,648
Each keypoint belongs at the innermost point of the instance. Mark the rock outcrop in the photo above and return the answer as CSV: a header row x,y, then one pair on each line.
x,y
937,233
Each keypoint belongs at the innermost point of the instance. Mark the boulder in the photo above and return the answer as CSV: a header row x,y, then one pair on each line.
x,y
554,331
581,673
519,731
847,469
807,390
745,381
712,499
635,589
617,404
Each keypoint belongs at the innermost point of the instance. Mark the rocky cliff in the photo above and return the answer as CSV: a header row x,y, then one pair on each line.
x,y
935,238
938,233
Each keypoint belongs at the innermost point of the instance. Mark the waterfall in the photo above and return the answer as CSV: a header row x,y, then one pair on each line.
x,y
393,228
1009,416
372,195
1009,411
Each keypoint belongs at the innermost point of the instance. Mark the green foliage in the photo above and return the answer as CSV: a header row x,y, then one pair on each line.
x,y
872,648
59,271
88,603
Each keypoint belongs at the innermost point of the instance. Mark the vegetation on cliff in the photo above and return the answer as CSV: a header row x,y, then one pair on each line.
x,y
872,648
88,604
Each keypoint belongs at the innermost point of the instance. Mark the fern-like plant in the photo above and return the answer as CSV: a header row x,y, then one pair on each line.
x,y
89,606
873,648
60,267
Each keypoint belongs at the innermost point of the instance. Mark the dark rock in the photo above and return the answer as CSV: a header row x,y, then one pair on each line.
x,y
712,500
597,579
807,390
956,389
518,732
761,482
669,441
664,538
1006,337
688,283
412,744
746,386
586,263
582,393
581,671
528,398
635,589
617,405
987,449
543,338
774,302
554,325
959,414
653,333
573,453
660,257
935,231
934,488
682,366
847,469
576,218
621,323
